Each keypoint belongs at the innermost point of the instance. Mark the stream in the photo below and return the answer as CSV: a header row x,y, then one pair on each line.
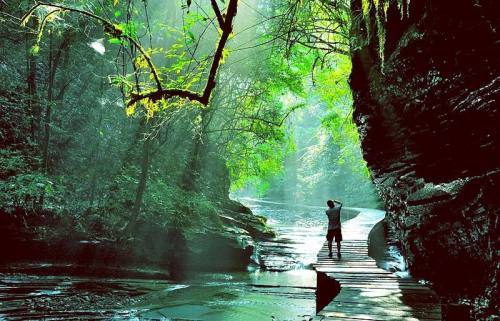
x,y
282,290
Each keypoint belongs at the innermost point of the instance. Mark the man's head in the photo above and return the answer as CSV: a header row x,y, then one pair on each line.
x,y
330,203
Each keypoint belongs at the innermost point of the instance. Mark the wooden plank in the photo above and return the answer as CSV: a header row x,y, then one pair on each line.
x,y
367,292
372,317
381,312
429,307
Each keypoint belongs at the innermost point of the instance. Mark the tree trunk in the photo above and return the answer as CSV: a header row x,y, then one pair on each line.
x,y
54,61
192,172
141,187
48,110
33,106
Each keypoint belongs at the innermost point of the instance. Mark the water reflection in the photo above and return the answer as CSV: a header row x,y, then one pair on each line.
x,y
280,287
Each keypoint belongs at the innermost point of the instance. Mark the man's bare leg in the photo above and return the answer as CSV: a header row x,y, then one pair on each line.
x,y
330,248
338,250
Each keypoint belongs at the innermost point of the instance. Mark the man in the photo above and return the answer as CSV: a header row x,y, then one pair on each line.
x,y
334,231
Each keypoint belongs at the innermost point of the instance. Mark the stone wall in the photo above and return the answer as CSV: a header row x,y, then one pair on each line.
x,y
429,122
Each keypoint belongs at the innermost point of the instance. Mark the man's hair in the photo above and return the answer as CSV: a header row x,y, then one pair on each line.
x,y
330,203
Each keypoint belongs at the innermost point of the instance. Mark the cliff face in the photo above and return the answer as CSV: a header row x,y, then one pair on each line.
x,y
430,127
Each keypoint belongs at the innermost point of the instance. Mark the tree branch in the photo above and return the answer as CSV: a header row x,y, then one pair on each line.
x,y
203,97
225,24
216,10
108,27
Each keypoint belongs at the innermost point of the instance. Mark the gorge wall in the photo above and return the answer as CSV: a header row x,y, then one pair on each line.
x,y
429,122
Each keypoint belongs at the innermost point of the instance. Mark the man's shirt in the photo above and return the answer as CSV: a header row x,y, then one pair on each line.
x,y
333,217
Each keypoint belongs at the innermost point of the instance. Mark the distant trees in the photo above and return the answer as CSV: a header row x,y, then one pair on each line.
x,y
322,155
113,142
116,113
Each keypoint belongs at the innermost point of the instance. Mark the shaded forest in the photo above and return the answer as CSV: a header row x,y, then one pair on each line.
x,y
122,124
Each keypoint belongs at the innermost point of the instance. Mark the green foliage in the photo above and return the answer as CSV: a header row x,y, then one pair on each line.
x,y
256,152
334,90
255,123
318,25
22,186
11,163
319,153
256,168
172,206
30,191
14,118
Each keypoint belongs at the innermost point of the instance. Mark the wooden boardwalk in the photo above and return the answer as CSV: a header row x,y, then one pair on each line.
x,y
368,292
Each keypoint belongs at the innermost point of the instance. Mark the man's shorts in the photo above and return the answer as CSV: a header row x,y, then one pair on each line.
x,y
334,234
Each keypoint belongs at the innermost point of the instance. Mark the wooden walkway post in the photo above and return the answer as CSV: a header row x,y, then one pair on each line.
x,y
362,291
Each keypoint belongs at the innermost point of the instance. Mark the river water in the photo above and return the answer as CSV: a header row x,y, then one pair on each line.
x,y
280,287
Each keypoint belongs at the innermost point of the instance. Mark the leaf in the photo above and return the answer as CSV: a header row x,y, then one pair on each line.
x,y
121,26
35,50
225,54
130,110
118,13
115,41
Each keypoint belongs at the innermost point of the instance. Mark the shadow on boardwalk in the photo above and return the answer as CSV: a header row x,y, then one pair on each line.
x,y
362,291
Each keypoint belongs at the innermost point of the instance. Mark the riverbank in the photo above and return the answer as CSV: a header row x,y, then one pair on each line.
x,y
282,284
50,245
279,283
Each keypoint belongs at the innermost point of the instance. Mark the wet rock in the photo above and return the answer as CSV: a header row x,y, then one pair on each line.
x,y
215,250
428,118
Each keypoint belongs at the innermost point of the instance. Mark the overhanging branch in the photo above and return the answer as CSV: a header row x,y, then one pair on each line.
x,y
225,22
216,10
226,26
108,27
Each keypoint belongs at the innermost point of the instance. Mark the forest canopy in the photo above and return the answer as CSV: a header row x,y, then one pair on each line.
x,y
121,112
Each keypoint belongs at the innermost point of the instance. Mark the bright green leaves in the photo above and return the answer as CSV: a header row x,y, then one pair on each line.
x,y
44,14
128,29
35,49
116,41
191,38
333,88
275,90
257,167
191,21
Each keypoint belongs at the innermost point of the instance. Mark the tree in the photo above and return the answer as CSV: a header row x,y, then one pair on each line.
x,y
144,91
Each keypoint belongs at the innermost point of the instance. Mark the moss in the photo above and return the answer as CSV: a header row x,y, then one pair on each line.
x,y
380,8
